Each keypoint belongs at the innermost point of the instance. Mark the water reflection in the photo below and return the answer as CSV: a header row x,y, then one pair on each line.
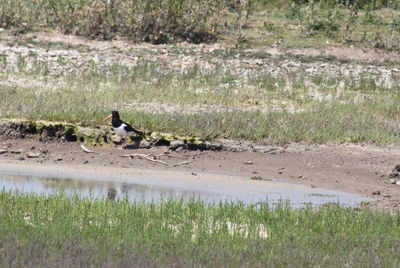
x,y
96,189
152,188
111,193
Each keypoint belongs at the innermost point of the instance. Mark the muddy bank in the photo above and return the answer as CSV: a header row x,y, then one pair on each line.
x,y
357,169
103,136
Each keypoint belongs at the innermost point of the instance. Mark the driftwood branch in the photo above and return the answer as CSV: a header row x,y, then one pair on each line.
x,y
157,155
147,157
183,163
153,158
83,147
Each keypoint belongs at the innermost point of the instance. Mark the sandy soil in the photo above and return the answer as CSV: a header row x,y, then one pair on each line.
x,y
64,54
350,168
341,52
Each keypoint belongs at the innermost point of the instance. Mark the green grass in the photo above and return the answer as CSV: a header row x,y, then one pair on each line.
x,y
170,19
61,231
245,103
318,25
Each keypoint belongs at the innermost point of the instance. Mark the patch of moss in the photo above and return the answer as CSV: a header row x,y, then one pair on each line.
x,y
193,140
156,136
91,136
56,129
100,136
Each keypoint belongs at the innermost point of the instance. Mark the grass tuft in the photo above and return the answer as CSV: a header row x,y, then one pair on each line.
x,y
57,230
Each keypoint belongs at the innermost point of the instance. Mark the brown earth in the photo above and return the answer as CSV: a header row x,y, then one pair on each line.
x,y
358,169
338,51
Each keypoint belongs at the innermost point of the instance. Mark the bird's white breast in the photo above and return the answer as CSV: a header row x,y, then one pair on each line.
x,y
121,131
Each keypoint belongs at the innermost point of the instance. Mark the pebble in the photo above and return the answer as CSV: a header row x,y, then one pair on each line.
x,y
32,155
175,144
144,144
44,151
116,139
213,145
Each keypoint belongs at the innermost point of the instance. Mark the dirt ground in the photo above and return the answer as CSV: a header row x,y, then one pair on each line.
x,y
340,52
357,169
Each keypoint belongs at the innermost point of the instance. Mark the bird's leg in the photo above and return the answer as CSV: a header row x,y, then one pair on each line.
x,y
122,144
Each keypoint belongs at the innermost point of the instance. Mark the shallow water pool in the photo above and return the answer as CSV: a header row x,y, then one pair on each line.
x,y
153,185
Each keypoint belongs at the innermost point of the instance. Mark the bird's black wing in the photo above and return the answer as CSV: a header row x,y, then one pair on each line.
x,y
129,128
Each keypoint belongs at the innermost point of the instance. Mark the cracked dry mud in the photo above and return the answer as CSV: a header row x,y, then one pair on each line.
x,y
67,54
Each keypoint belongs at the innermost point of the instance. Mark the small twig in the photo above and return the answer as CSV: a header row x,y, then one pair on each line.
x,y
87,150
157,155
145,157
183,163
169,155
153,158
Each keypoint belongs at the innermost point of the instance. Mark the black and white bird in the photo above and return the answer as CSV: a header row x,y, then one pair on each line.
x,y
121,128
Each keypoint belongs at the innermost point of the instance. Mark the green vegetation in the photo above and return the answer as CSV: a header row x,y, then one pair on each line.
x,y
195,91
152,21
220,92
249,22
61,231
322,23
246,103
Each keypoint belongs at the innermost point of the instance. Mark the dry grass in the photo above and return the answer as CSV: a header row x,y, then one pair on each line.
x,y
248,23
239,102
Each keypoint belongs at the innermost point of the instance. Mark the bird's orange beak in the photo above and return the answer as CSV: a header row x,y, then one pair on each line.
x,y
108,117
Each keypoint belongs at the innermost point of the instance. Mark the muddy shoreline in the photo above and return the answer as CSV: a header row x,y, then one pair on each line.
x,y
149,185
353,168
356,169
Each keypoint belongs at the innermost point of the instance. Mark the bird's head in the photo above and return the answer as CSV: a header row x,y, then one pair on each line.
x,y
114,115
